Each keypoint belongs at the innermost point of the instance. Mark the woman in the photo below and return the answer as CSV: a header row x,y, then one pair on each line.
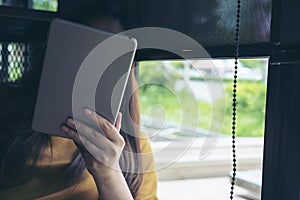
x,y
39,166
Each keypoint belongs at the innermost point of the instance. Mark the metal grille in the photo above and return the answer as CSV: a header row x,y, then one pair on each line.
x,y
15,62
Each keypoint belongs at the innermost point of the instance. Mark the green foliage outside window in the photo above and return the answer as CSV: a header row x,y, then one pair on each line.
x,y
251,101
49,5
250,108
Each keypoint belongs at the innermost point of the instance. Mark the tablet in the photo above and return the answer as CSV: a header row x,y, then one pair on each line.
x,y
80,72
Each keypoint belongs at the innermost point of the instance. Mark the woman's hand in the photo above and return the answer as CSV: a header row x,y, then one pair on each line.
x,y
101,152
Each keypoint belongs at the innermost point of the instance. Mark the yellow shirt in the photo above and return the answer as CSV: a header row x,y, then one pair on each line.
x,y
49,181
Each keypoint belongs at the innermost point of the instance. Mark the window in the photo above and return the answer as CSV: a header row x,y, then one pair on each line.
x,y
49,5
169,88
46,5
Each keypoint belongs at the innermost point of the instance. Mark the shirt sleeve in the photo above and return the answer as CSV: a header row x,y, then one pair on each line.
x,y
148,188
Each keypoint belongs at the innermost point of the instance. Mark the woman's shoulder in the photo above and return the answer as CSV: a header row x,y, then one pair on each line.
x,y
148,186
145,145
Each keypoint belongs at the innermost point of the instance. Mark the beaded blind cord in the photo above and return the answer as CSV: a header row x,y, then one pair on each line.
x,y
234,95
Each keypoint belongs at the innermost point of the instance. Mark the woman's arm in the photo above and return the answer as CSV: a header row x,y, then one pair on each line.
x,y
113,187
101,152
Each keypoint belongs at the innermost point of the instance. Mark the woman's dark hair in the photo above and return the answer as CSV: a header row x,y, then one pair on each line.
x,y
20,145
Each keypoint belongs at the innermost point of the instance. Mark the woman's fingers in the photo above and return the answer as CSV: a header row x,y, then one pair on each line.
x,y
111,132
71,133
88,138
88,133
96,148
105,156
100,147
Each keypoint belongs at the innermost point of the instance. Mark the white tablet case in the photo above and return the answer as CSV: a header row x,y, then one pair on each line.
x,y
68,45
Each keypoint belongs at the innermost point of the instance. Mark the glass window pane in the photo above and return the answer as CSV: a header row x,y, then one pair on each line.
x,y
49,5
46,5
165,89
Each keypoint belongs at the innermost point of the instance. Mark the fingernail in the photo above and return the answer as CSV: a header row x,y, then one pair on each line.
x,y
87,111
71,121
64,128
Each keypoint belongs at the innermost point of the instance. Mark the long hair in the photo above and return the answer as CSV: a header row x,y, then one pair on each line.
x,y
19,144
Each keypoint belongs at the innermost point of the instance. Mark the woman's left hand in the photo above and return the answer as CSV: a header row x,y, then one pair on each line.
x,y
101,151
